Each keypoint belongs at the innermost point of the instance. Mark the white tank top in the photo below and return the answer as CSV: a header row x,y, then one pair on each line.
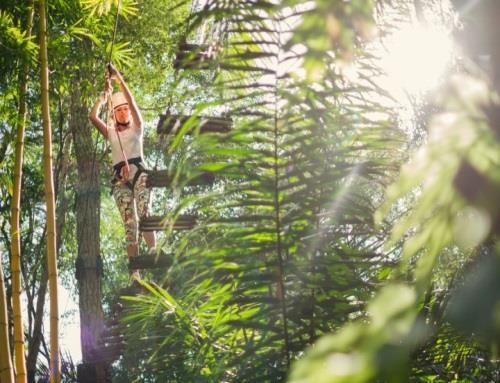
x,y
131,139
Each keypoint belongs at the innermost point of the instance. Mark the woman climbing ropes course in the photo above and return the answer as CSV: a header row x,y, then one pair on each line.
x,y
125,136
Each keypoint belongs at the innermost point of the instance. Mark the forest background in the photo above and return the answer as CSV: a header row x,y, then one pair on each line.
x,y
350,235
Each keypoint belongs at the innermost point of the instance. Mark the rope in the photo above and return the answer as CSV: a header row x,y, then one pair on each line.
x,y
110,103
114,30
111,56
108,78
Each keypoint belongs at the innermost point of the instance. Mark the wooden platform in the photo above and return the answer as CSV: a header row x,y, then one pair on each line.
x,y
149,262
171,124
157,223
161,179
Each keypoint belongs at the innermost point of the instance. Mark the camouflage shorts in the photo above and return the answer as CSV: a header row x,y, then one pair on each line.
x,y
132,206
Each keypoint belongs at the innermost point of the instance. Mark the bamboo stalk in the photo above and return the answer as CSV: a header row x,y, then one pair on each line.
x,y
6,368
55,365
19,355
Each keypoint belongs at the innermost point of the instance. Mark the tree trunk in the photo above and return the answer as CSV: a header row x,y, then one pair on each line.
x,y
36,338
55,365
88,265
6,368
19,356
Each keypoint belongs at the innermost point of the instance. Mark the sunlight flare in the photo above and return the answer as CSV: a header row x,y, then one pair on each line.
x,y
416,57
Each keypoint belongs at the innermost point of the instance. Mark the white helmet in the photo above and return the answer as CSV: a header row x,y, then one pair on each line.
x,y
118,99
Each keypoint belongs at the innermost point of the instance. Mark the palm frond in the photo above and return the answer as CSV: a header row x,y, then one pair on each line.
x,y
285,235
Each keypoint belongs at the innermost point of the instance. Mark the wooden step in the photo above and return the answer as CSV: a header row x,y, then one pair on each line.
x,y
149,262
171,124
161,179
157,223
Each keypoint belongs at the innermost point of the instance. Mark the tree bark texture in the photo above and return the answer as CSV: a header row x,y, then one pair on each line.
x,y
6,368
19,357
55,363
88,265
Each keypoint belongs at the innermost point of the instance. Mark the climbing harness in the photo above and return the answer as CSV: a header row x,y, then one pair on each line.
x,y
138,162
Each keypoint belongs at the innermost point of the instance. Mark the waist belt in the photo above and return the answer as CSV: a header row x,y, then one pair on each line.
x,y
117,169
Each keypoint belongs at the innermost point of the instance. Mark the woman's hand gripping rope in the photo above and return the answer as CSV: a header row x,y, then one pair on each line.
x,y
112,72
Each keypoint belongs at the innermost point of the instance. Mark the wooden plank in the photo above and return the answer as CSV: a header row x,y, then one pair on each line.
x,y
161,179
171,124
149,262
157,223
158,178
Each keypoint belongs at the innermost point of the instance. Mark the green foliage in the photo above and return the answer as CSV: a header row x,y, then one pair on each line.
x,y
285,250
103,7
329,26
441,215
154,35
15,42
461,148
365,353
279,279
